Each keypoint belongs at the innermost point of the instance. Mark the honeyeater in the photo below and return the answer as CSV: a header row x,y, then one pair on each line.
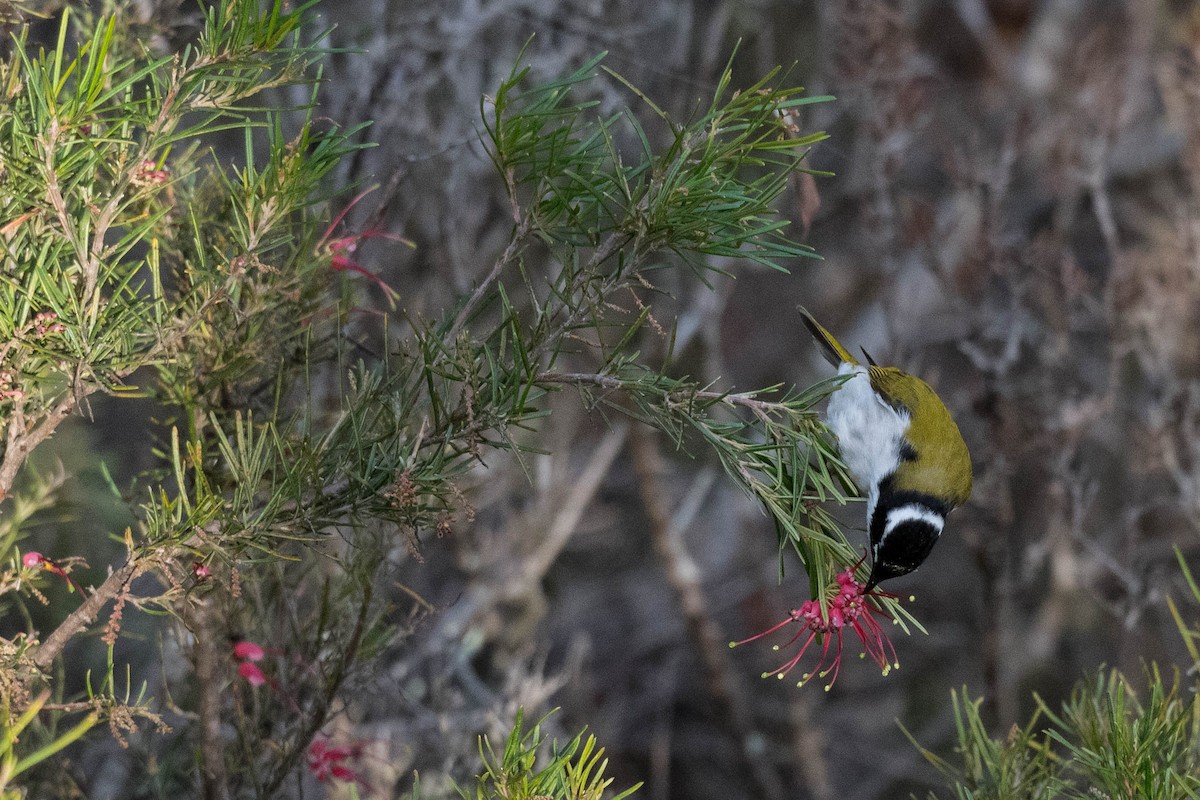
x,y
903,449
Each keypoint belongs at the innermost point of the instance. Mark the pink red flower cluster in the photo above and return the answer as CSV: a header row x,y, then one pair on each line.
x,y
341,249
848,608
326,761
149,172
7,390
47,322
35,560
248,654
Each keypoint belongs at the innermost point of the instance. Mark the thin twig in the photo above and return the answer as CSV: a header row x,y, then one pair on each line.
x,y
454,621
19,443
510,254
87,612
745,400
683,575
583,489
809,743
318,712
209,658
1102,205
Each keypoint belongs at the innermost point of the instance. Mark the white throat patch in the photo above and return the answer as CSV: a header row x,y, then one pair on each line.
x,y
869,431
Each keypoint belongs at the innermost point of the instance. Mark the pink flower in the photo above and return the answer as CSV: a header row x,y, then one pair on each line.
x,y
149,172
325,762
340,261
248,651
847,608
253,675
201,571
342,248
33,560
46,323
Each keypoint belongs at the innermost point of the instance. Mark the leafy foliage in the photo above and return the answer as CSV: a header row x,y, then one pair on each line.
x,y
10,730
288,469
574,770
1103,742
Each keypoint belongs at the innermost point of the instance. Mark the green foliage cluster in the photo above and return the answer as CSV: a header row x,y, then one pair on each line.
x,y
608,213
296,460
136,263
11,766
525,771
1104,742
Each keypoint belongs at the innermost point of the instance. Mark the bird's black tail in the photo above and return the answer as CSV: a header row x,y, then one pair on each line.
x,y
830,347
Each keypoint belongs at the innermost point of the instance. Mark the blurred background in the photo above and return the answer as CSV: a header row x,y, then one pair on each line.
x,y
1012,215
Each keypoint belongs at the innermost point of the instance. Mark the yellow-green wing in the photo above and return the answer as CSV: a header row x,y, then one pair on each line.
x,y
942,466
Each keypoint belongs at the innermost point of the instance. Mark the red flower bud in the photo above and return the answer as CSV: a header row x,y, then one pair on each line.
x,y
248,651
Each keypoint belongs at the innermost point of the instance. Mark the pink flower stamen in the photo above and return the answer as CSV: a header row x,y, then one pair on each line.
x,y
340,249
848,608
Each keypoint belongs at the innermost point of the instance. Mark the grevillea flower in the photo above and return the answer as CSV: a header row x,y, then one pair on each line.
x,y
247,653
251,672
341,249
7,390
46,323
201,571
326,761
149,172
848,608
34,560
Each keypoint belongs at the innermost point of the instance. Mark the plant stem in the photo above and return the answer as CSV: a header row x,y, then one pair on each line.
x,y
86,614
510,254
608,382
208,655
683,575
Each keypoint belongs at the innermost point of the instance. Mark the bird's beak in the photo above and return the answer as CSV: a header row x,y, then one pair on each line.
x,y
872,582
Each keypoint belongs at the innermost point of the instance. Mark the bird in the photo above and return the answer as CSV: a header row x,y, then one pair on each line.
x,y
903,449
